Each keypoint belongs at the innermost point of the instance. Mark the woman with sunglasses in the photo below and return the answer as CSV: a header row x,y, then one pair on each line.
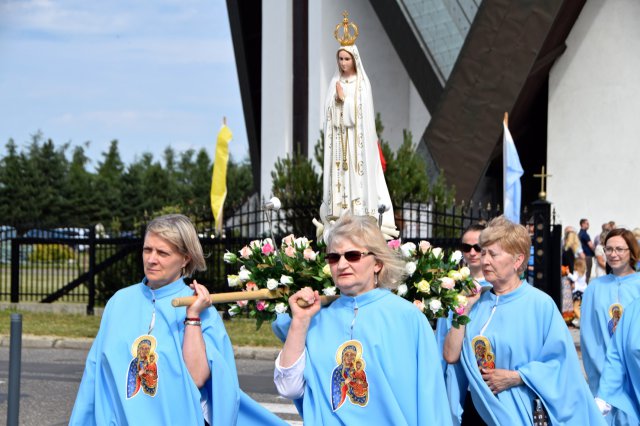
x,y
462,410
368,332
516,348
604,303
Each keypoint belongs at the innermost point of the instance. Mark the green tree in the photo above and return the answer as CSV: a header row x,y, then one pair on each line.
x,y
80,192
109,183
14,204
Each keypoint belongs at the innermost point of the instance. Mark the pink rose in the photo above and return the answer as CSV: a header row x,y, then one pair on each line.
x,y
447,283
419,304
460,310
288,240
245,253
251,286
424,246
309,254
267,249
290,251
478,287
394,244
261,305
242,303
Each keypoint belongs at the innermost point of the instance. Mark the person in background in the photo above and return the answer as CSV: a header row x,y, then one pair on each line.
x,y
600,257
587,245
603,304
579,280
516,347
571,250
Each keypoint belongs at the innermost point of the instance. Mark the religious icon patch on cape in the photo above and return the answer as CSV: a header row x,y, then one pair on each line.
x,y
143,368
615,313
485,358
348,379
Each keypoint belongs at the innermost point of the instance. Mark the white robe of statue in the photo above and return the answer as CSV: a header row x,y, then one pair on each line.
x,y
353,178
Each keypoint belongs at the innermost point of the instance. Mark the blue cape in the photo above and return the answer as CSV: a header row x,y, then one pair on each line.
x,y
402,364
454,378
600,294
527,334
620,381
102,396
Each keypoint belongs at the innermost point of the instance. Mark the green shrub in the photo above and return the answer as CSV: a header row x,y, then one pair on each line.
x,y
51,253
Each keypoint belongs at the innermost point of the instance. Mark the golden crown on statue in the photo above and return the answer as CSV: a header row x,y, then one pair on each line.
x,y
346,39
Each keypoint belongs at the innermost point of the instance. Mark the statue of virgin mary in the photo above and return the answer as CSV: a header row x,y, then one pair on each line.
x,y
353,177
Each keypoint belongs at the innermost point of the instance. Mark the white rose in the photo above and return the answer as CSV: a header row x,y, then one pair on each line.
x,y
437,252
424,246
244,275
402,289
462,300
326,270
272,284
423,286
435,305
465,272
286,279
456,275
281,308
301,242
408,249
456,256
329,291
410,267
234,281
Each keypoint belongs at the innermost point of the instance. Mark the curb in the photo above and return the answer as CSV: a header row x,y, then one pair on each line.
x,y
53,342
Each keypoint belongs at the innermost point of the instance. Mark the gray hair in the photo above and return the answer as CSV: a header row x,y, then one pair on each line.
x,y
364,231
178,230
513,237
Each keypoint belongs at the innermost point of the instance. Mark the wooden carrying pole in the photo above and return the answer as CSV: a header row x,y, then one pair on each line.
x,y
262,294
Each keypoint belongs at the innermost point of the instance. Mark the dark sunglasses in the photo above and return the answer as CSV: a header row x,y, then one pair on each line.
x,y
467,247
350,256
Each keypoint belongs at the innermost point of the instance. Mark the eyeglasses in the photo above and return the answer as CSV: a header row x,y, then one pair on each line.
x,y
617,250
350,256
466,248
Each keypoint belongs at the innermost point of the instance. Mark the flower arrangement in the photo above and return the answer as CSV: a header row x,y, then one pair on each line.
x,y
294,266
435,283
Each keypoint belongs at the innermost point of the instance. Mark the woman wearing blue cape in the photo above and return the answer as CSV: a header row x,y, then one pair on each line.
x,y
462,410
370,357
604,303
517,348
620,381
155,364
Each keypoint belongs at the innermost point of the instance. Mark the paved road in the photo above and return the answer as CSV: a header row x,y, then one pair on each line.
x,y
50,380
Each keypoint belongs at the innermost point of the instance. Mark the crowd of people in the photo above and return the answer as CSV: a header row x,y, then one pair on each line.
x,y
371,357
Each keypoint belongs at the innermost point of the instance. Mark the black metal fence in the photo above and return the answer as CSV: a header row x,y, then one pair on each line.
x,y
87,265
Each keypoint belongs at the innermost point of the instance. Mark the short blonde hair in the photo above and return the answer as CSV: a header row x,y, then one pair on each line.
x,y
178,230
514,238
364,231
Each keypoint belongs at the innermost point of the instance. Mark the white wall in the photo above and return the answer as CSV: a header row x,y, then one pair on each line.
x,y
394,95
594,118
277,86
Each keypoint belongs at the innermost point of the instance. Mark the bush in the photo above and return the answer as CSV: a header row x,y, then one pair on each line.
x,y
51,253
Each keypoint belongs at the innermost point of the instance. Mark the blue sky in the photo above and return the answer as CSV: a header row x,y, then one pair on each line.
x,y
149,73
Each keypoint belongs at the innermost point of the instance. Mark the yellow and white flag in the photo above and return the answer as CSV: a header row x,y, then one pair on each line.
x,y
219,176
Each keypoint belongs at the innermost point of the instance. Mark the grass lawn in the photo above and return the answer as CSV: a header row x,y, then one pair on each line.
x,y
242,332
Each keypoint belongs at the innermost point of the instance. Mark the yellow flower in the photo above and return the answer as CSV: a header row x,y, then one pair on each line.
x,y
423,286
